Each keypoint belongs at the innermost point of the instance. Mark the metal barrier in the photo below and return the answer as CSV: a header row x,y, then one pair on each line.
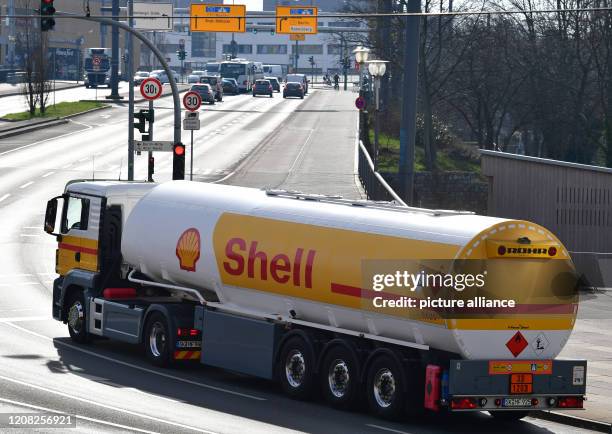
x,y
373,183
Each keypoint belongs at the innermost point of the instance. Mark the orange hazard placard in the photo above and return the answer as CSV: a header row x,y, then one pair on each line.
x,y
505,367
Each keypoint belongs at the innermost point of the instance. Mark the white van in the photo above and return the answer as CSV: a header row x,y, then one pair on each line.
x,y
298,78
275,71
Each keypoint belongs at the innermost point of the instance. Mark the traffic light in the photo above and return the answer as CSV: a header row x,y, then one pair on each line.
x,y
182,54
311,60
254,31
143,116
178,161
47,10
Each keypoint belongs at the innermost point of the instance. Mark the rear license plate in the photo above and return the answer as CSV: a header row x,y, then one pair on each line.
x,y
516,402
188,344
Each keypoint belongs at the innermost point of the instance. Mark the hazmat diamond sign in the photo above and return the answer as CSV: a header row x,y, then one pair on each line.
x,y
217,18
517,344
294,19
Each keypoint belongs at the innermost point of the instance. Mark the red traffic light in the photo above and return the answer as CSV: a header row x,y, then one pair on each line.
x,y
47,1
179,149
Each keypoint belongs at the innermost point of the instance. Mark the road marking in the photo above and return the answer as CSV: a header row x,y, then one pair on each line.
x,y
78,416
140,368
27,184
67,166
384,428
47,174
29,235
24,318
4,197
224,178
46,140
300,153
19,284
99,404
17,275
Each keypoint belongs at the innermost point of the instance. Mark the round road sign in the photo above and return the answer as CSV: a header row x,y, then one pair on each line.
x,y
151,88
360,103
96,60
192,101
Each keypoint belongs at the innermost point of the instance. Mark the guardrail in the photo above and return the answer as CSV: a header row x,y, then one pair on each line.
x,y
373,183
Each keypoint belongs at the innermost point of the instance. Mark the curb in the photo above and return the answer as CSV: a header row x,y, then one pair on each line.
x,y
575,421
49,123
2,95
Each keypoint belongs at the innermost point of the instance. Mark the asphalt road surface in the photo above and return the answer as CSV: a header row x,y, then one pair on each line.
x,y
109,386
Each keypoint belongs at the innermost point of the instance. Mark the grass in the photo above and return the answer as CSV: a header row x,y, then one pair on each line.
x,y
54,111
452,159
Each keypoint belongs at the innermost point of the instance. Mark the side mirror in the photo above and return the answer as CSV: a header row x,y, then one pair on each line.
x,y
51,215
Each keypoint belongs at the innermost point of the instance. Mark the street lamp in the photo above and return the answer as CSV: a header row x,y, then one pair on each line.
x,y
377,69
361,57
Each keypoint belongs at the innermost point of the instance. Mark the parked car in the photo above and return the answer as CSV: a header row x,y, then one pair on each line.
x,y
293,89
139,77
194,77
215,84
299,78
263,87
205,91
230,85
274,82
161,75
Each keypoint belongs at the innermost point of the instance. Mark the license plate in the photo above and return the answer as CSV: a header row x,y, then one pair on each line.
x,y
516,402
188,344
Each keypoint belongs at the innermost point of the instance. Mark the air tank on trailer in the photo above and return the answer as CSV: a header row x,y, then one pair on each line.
x,y
275,253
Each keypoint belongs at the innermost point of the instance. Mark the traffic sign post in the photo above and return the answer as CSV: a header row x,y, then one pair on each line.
x,y
191,123
192,101
297,37
296,19
217,18
151,88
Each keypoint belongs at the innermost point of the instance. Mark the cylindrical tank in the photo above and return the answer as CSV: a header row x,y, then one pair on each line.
x,y
282,253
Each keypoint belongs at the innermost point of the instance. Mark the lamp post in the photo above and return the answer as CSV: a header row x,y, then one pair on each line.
x,y
377,69
361,57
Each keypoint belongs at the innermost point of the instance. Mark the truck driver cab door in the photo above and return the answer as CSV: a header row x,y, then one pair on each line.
x,y
78,235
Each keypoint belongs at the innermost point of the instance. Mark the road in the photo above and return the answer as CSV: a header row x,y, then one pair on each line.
x,y
109,386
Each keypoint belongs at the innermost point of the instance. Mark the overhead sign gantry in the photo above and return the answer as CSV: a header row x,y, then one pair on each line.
x,y
296,19
217,18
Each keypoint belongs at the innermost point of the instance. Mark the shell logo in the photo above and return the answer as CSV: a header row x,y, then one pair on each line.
x,y
188,249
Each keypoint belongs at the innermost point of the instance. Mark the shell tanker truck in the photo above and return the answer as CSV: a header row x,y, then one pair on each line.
x,y
286,287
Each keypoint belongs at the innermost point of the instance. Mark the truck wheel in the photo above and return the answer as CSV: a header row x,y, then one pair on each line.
x,y
157,340
385,388
339,378
296,369
77,320
509,416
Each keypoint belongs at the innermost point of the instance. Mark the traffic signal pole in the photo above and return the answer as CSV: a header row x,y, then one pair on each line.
x,y
130,45
114,79
175,92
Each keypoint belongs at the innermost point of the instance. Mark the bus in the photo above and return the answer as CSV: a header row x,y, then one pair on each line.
x,y
244,71
97,67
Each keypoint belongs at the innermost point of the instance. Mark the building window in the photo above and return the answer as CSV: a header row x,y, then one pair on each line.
x,y
271,49
242,49
203,44
308,49
335,49
344,24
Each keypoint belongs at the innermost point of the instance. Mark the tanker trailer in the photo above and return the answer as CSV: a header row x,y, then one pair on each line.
x,y
413,308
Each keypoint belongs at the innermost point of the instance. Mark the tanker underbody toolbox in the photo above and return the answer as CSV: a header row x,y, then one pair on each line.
x,y
224,284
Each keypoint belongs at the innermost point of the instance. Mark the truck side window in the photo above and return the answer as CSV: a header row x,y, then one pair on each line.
x,y
76,215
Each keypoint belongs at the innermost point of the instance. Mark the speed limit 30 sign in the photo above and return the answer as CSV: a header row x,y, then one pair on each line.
x,y
151,88
192,101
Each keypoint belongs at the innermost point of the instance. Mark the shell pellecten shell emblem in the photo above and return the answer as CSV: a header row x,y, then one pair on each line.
x,y
188,249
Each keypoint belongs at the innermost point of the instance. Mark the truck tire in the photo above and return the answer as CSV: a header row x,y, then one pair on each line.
x,y
340,378
509,416
385,388
157,340
76,317
296,369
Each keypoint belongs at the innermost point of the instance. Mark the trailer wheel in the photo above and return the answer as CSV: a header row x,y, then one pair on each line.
x,y
385,388
296,368
509,416
157,340
77,319
339,378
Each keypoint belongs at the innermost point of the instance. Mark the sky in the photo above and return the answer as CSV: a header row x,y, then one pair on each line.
x,y
251,5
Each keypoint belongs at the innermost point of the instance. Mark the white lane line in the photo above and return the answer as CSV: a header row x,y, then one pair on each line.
x,y
19,284
67,166
46,140
47,174
99,404
384,428
4,197
140,368
27,184
29,235
16,275
24,318
224,178
78,416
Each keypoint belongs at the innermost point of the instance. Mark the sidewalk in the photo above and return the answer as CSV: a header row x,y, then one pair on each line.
x,y
7,89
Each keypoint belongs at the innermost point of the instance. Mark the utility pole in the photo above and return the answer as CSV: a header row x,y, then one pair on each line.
x,y
297,55
130,63
114,81
409,98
